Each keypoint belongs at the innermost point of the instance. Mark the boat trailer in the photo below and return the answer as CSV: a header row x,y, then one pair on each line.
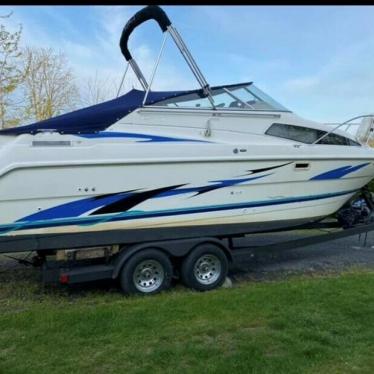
x,y
84,257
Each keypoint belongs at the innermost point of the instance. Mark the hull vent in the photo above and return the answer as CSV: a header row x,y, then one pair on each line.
x,y
51,143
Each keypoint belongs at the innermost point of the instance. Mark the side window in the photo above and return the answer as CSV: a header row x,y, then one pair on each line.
x,y
298,133
307,135
337,140
334,139
352,142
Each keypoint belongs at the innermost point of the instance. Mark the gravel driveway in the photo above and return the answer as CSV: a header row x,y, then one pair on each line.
x,y
333,256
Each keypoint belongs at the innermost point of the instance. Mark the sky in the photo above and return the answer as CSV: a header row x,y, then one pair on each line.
x,y
318,61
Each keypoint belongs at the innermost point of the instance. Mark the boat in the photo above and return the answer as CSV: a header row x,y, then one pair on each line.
x,y
211,157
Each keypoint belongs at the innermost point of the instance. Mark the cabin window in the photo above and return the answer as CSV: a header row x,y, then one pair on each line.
x,y
307,135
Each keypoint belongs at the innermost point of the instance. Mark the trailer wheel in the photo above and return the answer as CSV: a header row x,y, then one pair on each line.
x,y
146,272
205,268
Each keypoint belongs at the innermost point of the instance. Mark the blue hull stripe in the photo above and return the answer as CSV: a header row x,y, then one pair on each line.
x,y
130,215
141,138
76,208
339,172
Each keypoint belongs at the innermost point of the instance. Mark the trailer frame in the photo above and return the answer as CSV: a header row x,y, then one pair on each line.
x,y
177,243
80,271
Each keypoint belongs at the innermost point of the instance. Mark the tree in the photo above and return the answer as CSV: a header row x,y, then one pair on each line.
x,y
11,75
95,90
49,84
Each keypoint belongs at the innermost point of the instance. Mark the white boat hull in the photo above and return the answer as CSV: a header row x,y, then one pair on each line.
x,y
216,156
74,192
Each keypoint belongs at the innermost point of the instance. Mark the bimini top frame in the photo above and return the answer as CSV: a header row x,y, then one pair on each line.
x,y
156,13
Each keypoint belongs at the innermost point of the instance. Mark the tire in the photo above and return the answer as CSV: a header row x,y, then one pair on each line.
x,y
205,268
147,272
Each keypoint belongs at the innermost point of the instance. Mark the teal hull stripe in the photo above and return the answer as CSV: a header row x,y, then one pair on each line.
x,y
130,215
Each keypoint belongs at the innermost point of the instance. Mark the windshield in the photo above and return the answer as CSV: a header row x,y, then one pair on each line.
x,y
241,96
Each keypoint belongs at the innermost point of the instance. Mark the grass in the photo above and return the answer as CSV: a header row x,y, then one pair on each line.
x,y
371,186
299,325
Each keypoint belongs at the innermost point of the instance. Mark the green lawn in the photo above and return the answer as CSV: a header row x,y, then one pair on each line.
x,y
321,324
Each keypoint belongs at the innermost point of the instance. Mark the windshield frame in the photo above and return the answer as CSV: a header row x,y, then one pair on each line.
x,y
228,90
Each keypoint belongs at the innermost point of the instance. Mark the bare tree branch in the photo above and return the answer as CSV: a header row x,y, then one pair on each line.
x,y
49,86
97,89
11,75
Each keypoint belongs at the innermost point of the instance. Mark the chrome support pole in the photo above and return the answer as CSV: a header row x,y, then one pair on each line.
x,y
155,68
188,57
191,63
139,74
123,79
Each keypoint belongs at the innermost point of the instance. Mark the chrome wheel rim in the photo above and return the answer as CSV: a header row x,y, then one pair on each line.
x,y
148,276
207,269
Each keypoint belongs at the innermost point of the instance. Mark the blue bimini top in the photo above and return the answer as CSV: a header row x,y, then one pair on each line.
x,y
96,117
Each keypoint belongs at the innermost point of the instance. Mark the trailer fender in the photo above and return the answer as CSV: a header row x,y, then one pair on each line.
x,y
174,248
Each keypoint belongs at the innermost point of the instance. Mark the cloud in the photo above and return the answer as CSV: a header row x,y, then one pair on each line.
x,y
304,84
110,21
342,88
316,60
